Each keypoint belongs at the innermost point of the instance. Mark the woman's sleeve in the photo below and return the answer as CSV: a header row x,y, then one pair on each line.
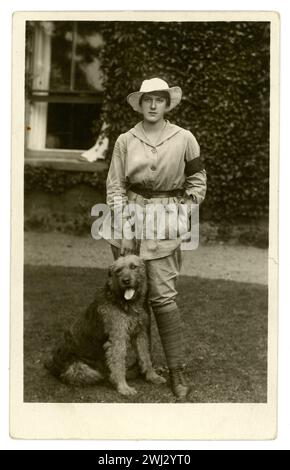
x,y
115,185
195,182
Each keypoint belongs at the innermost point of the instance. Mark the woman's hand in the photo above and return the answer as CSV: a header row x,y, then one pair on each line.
x,y
127,247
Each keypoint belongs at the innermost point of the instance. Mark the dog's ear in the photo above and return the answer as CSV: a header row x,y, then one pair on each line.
x,y
141,262
110,282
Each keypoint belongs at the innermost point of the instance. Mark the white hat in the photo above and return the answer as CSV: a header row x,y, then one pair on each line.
x,y
152,85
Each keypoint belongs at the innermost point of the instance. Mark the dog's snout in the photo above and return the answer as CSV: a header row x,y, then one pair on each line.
x,y
127,273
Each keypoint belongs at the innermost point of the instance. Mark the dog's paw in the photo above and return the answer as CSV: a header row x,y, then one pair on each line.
x,y
154,378
125,390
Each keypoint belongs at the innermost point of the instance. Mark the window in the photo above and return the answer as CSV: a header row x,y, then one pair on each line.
x,y
64,86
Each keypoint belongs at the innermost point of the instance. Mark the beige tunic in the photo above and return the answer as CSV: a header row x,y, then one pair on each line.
x,y
173,162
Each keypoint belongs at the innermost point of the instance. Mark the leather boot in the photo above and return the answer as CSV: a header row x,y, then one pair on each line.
x,y
178,383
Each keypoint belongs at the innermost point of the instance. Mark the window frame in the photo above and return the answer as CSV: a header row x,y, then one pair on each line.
x,y
41,97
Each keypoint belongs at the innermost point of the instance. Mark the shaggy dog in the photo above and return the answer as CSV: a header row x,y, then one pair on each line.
x,y
97,344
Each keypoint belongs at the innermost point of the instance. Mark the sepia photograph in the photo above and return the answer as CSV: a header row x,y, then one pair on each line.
x,y
146,173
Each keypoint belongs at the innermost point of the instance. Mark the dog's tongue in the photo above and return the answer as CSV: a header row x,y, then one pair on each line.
x,y
129,293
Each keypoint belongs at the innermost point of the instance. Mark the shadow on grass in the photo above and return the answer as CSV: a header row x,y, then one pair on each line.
x,y
226,338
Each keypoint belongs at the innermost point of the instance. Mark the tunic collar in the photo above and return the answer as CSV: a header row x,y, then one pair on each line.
x,y
169,131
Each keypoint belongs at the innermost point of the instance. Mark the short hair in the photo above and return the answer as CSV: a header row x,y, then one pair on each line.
x,y
162,93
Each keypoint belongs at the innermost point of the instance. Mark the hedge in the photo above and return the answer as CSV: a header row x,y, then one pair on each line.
x,y
49,180
223,69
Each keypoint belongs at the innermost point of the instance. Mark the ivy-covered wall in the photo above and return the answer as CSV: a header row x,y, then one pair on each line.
x,y
49,180
223,69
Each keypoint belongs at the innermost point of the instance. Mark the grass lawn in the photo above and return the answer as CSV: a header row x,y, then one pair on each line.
x,y
226,338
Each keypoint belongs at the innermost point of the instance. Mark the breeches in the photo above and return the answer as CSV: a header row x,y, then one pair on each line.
x,y
162,275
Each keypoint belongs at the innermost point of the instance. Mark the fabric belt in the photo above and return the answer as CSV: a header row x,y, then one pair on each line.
x,y
148,194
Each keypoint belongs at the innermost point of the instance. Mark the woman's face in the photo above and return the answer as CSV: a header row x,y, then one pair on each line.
x,y
153,107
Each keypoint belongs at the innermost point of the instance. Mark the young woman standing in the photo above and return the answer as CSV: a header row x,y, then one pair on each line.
x,y
157,162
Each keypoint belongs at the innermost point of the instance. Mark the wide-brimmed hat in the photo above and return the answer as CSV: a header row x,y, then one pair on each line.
x,y
154,85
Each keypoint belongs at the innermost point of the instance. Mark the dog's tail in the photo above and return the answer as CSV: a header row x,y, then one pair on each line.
x,y
79,373
60,357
